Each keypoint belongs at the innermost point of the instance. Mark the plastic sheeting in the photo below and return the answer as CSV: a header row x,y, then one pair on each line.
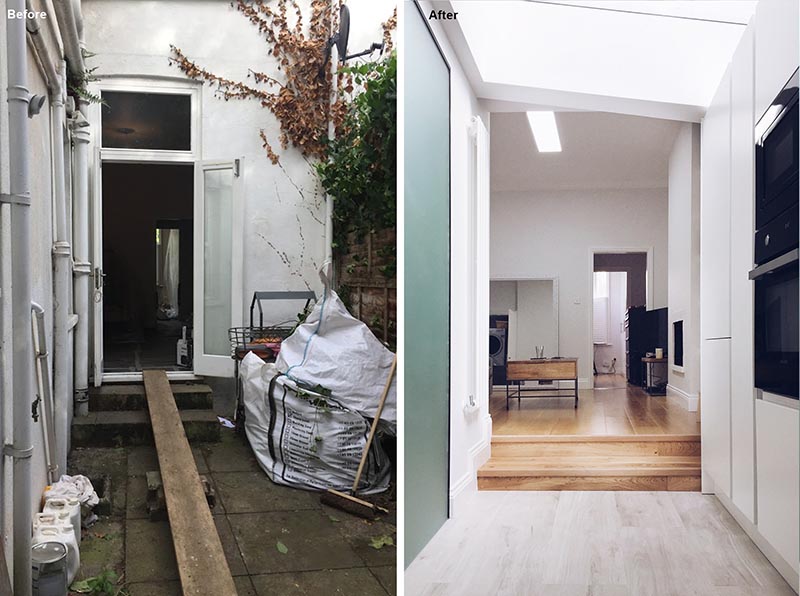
x,y
337,351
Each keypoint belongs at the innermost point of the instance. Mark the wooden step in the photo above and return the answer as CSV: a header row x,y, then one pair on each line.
x,y
571,462
120,429
506,446
118,397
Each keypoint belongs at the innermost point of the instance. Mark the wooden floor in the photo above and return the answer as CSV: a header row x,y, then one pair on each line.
x,y
609,410
592,544
619,438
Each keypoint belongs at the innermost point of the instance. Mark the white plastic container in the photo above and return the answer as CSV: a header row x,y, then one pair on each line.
x,y
64,534
68,509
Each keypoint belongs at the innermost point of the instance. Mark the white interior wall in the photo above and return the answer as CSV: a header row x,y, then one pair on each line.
x,y
470,431
536,319
502,297
684,261
551,234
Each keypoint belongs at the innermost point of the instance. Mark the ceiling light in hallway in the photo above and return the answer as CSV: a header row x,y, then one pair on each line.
x,y
545,132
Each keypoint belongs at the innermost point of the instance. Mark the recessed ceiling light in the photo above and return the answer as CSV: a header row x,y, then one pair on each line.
x,y
545,132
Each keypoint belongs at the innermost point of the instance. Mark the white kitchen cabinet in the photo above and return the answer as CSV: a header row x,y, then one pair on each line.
x,y
742,226
715,391
715,216
778,431
777,24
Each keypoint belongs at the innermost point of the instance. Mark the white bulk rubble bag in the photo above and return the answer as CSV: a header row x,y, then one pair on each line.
x,y
337,351
304,437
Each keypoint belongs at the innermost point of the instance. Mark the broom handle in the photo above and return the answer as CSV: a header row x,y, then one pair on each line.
x,y
374,425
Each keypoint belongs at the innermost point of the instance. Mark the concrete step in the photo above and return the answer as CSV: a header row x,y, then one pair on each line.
x,y
116,398
125,428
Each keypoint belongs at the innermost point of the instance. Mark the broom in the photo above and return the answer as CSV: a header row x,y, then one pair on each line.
x,y
351,503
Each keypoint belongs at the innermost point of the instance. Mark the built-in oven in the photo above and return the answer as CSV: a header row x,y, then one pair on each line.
x,y
777,325
777,155
775,277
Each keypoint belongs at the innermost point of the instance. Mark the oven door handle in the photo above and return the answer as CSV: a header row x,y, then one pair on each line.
x,y
775,264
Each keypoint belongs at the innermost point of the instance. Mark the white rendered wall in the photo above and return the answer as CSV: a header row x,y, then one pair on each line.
x,y
223,41
615,348
551,234
684,260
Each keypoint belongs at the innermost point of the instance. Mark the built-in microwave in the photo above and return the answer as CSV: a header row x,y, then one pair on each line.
x,y
777,155
776,304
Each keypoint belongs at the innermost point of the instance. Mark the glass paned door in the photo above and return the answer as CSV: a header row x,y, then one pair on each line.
x,y
218,270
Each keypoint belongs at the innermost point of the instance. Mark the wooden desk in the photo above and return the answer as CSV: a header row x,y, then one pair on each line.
x,y
542,369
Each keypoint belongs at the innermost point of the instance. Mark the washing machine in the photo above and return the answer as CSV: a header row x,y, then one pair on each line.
x,y
497,346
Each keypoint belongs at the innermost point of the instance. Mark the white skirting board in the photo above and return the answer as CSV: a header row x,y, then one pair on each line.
x,y
786,570
690,401
478,454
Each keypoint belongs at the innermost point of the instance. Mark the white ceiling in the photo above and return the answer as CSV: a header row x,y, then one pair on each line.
x,y
600,151
654,52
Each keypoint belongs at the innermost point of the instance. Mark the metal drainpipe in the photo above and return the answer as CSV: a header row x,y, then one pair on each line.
x,y
62,257
81,267
22,348
329,200
62,252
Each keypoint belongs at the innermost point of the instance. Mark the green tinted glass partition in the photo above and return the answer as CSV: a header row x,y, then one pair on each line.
x,y
427,284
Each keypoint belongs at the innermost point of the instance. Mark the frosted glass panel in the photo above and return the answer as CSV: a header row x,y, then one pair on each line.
x,y
217,264
427,283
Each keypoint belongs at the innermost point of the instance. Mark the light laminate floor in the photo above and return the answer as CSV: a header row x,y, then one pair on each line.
x,y
608,410
592,544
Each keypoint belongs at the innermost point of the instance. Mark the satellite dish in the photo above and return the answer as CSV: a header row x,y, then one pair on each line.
x,y
344,32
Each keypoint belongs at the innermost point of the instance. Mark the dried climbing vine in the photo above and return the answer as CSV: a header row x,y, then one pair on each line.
x,y
300,100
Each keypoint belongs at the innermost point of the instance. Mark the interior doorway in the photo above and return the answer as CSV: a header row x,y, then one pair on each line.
x,y
148,263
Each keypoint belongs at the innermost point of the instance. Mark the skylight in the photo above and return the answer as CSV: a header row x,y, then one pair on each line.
x,y
545,132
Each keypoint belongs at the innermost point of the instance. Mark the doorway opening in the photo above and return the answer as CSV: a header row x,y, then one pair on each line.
x,y
148,262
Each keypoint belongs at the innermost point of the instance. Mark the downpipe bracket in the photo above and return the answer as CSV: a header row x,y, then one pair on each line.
x,y
16,199
12,452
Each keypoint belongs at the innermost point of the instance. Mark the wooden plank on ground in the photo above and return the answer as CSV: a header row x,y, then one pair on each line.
x,y
201,561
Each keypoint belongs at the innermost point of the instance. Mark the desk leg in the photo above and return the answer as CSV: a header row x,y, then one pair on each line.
x,y
506,394
576,394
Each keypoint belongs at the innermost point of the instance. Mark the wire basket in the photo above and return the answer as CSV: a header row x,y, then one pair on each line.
x,y
265,342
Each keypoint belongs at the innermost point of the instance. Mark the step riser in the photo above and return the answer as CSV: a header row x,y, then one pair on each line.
x,y
606,483
122,402
609,448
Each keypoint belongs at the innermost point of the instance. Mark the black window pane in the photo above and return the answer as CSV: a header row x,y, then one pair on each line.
x,y
147,121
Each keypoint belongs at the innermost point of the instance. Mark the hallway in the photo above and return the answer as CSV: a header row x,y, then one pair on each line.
x,y
592,544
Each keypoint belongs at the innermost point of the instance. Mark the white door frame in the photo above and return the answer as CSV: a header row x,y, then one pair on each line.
x,y
649,277
99,155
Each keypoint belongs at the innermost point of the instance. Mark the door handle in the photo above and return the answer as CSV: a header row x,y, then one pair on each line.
x,y
98,279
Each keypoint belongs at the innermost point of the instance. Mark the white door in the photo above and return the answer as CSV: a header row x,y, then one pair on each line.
x,y
97,277
218,253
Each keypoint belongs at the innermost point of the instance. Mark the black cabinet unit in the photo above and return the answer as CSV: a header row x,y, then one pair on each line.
x,y
645,330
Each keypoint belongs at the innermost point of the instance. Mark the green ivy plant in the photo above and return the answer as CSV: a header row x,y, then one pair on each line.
x,y
360,172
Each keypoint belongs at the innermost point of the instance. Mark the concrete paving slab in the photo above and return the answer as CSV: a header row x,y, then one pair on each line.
x,y
231,454
387,576
244,587
251,492
345,582
97,462
229,546
102,548
359,532
172,588
312,542
149,554
137,498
